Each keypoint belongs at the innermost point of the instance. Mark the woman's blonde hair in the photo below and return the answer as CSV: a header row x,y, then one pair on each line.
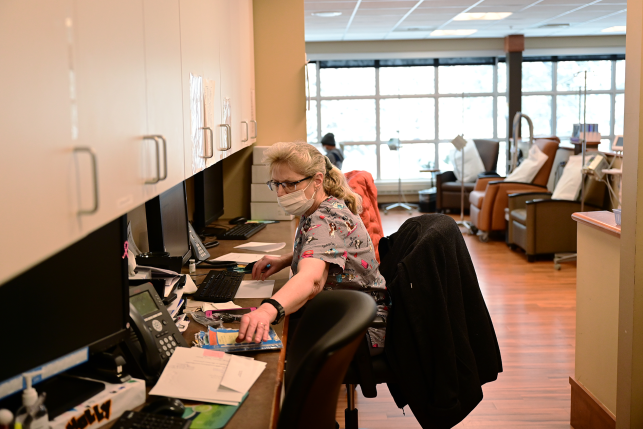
x,y
306,160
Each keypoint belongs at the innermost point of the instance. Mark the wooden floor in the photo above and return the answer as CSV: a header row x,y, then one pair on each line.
x,y
533,308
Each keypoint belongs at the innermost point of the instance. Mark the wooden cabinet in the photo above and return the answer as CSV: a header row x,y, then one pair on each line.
x,y
163,97
37,164
200,61
110,72
85,84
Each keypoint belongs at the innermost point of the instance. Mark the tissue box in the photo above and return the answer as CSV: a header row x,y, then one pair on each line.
x,y
260,174
103,408
268,211
261,193
257,154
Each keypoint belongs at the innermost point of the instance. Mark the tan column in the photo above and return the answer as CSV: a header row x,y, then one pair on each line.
x,y
629,395
280,51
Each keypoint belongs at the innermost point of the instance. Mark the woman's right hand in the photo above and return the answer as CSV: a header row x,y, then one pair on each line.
x,y
261,270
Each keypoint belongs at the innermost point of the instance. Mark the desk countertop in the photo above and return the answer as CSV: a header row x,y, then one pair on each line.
x,y
261,409
601,220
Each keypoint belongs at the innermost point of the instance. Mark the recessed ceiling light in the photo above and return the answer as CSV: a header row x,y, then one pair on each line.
x,y
452,32
327,14
484,16
617,29
554,25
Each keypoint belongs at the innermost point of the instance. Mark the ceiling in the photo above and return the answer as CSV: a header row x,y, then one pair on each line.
x,y
416,19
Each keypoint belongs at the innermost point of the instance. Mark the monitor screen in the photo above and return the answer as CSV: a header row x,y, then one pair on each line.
x,y
167,223
77,298
208,196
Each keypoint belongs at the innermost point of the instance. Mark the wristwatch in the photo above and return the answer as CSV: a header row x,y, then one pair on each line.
x,y
281,313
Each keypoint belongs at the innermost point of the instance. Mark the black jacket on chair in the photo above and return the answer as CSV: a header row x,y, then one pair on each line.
x,y
440,341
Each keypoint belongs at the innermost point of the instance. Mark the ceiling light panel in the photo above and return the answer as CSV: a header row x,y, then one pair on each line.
x,y
460,32
615,29
482,16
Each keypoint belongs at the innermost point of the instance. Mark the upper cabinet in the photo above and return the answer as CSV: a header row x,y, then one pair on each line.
x,y
105,105
38,167
162,153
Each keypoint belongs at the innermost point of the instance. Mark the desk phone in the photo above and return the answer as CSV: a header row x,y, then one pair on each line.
x,y
153,337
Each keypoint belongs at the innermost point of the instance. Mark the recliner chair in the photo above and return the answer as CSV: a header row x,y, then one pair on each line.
x,y
542,226
489,198
448,188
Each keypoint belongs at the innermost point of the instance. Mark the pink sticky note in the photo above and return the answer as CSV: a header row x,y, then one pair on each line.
x,y
208,314
213,353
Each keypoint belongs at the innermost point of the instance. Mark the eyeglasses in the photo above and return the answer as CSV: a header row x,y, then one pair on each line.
x,y
288,186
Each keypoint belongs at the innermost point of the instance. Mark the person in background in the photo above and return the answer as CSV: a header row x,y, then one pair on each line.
x,y
332,151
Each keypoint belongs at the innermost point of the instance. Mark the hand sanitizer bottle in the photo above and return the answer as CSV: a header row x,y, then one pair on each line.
x,y
32,414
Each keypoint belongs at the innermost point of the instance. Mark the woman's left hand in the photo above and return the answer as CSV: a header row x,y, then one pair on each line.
x,y
255,325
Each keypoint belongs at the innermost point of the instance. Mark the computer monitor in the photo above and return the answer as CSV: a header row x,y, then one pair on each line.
x,y
167,223
74,303
208,197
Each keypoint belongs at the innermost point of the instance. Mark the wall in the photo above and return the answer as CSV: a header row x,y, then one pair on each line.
x,y
280,93
629,394
463,47
280,52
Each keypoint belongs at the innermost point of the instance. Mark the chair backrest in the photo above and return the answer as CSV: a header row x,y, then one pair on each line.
x,y
488,150
363,184
549,148
327,336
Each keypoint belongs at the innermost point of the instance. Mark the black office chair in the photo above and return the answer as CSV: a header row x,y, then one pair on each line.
x,y
327,336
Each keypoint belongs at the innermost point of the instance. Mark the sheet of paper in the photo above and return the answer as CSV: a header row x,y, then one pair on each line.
x,y
256,246
240,258
189,287
219,306
255,289
196,374
242,373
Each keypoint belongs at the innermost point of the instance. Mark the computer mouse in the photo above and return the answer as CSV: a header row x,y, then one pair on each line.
x,y
237,220
166,407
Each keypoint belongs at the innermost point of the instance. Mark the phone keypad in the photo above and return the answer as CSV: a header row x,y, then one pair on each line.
x,y
167,345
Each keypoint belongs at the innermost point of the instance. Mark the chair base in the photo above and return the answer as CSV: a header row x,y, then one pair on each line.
x,y
563,257
405,206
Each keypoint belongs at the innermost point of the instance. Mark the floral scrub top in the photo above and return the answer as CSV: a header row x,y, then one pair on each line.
x,y
337,236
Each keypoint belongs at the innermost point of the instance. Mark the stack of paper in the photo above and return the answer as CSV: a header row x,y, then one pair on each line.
x,y
240,258
256,246
208,376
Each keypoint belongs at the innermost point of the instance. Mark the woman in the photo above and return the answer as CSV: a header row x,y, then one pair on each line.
x,y
332,248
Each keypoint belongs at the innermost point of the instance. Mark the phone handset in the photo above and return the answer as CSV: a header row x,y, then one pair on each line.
x,y
199,251
152,361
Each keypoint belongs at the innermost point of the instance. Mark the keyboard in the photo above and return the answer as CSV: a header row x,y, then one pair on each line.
x,y
139,420
242,231
219,286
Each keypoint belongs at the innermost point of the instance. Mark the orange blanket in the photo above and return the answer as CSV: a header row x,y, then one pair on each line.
x,y
362,183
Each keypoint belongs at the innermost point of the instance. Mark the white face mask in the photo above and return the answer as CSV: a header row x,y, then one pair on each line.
x,y
296,202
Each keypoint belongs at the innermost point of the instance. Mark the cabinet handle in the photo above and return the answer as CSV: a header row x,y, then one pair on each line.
x,y
158,162
247,132
211,143
255,122
92,155
164,156
229,137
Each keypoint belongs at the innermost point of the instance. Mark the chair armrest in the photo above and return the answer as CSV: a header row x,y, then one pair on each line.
x,y
542,202
445,176
519,200
488,174
378,322
481,183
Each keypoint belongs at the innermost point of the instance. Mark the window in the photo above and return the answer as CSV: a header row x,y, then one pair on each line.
x,y
426,103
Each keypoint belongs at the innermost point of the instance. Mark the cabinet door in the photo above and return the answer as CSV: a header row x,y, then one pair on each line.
x,y
200,61
247,70
164,110
110,58
231,54
37,184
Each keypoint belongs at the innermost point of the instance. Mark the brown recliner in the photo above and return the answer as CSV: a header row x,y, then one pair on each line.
x,y
542,226
489,197
448,188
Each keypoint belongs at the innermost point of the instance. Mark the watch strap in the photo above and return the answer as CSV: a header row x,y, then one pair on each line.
x,y
281,313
